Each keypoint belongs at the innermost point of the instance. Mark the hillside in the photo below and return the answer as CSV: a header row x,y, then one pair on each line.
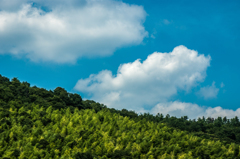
x,y
37,123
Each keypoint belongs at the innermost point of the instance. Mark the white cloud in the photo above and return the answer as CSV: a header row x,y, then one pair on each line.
x,y
147,86
14,5
71,30
141,85
219,111
179,109
193,111
208,91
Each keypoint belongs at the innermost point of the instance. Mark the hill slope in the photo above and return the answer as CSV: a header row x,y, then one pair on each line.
x,y
36,123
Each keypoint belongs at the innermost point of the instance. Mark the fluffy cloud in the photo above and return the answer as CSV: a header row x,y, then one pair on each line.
x,y
69,30
208,91
149,85
141,85
193,111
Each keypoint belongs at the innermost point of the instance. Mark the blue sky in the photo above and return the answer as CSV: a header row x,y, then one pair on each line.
x,y
188,52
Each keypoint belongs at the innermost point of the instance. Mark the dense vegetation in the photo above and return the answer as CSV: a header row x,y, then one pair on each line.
x,y
37,123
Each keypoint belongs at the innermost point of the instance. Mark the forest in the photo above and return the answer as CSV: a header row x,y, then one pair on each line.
x,y
38,123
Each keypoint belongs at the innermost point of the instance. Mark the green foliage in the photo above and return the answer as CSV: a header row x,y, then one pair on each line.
x,y
36,123
82,135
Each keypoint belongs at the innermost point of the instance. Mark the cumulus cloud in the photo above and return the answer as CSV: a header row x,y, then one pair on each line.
x,y
141,85
193,111
149,85
69,29
208,91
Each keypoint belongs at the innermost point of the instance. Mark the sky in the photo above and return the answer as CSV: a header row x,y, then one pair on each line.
x,y
170,57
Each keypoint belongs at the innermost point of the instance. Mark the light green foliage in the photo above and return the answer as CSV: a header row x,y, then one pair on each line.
x,y
82,132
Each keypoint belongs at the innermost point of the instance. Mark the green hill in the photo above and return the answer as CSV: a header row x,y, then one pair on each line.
x,y
37,123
